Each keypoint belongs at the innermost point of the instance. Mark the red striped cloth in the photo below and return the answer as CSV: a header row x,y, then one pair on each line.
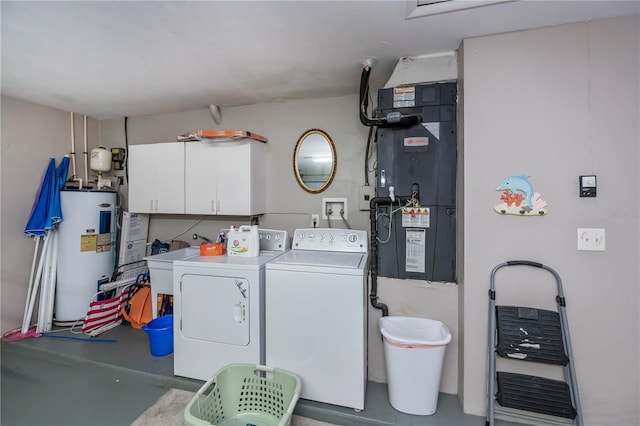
x,y
105,312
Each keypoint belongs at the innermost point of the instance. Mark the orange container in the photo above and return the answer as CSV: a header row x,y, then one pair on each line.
x,y
212,249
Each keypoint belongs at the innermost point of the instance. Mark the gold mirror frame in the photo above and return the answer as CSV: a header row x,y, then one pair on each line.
x,y
329,156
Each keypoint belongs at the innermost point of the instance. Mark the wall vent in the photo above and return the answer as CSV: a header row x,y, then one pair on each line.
x,y
418,8
427,3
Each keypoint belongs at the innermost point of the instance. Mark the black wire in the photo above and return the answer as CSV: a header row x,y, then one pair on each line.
x,y
366,157
126,152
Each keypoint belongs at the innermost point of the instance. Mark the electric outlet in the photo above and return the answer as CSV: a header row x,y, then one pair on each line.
x,y
334,208
315,220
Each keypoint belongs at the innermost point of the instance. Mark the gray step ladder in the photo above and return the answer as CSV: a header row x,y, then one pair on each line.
x,y
524,333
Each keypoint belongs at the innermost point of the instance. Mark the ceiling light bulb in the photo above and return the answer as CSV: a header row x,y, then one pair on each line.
x,y
216,113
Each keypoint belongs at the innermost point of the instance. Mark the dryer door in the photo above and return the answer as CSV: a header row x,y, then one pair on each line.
x,y
215,309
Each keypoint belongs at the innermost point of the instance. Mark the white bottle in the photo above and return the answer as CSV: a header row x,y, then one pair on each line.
x,y
245,241
256,238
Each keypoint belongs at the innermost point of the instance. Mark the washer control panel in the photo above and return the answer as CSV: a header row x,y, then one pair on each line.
x,y
331,239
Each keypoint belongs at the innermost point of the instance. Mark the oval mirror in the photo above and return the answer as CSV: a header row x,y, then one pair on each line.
x,y
314,161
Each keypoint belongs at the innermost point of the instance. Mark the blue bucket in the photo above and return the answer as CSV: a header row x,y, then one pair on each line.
x,y
160,331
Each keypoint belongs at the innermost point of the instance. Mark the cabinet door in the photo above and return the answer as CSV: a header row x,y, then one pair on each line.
x,y
169,181
156,178
201,166
142,179
234,179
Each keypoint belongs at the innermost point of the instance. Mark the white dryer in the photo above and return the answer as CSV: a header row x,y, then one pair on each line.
x,y
218,309
316,314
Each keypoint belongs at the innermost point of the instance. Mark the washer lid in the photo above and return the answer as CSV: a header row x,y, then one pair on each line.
x,y
321,259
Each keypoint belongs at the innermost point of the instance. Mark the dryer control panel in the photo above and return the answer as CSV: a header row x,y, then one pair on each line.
x,y
270,239
331,239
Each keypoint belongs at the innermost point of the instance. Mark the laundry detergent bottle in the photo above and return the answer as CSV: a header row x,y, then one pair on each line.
x,y
244,241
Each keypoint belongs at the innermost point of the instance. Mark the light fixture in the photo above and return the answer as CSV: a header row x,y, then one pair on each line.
x,y
216,113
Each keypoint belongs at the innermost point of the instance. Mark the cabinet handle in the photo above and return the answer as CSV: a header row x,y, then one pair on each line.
x,y
218,207
156,205
150,205
213,206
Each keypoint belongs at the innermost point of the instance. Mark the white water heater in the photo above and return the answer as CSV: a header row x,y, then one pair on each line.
x,y
86,250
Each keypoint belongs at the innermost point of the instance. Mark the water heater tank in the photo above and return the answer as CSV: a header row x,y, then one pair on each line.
x,y
85,251
100,160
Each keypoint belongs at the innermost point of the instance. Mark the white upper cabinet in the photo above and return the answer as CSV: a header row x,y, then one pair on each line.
x,y
225,178
206,177
156,178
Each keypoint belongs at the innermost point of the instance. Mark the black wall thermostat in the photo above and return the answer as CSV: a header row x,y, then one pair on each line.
x,y
588,186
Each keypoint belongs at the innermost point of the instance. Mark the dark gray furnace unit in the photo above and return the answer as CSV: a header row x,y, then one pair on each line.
x,y
418,160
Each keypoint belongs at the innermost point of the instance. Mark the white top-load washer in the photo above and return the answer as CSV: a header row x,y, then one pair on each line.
x,y
316,314
218,309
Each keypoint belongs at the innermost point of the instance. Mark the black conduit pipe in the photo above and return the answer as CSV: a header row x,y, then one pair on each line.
x,y
373,211
366,157
400,120
364,100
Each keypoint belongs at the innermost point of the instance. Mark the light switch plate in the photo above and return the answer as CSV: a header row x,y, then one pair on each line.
x,y
591,239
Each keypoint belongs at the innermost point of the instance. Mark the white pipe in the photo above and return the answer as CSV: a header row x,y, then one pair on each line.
x,y
36,285
86,154
47,295
74,176
46,284
73,147
52,288
25,320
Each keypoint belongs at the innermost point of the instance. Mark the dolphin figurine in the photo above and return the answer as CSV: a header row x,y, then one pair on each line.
x,y
520,184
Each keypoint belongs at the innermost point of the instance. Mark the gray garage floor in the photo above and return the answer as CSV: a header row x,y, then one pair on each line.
x,y
59,381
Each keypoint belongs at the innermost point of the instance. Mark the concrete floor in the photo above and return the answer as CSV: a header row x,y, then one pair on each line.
x,y
62,381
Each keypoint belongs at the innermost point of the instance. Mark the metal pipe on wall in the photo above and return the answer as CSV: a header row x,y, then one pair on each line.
x,y
85,152
373,212
73,147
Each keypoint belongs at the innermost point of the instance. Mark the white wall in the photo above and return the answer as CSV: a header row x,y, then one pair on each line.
x,y
31,135
556,103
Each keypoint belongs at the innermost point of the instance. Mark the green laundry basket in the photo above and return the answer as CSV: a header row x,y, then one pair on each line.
x,y
245,394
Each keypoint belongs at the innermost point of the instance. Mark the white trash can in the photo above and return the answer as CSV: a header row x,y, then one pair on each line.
x,y
414,354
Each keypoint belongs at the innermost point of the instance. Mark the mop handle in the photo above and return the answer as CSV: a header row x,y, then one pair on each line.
x,y
88,339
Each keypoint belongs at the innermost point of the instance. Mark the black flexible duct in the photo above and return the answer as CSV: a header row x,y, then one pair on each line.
x,y
364,99
399,121
373,210
366,157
